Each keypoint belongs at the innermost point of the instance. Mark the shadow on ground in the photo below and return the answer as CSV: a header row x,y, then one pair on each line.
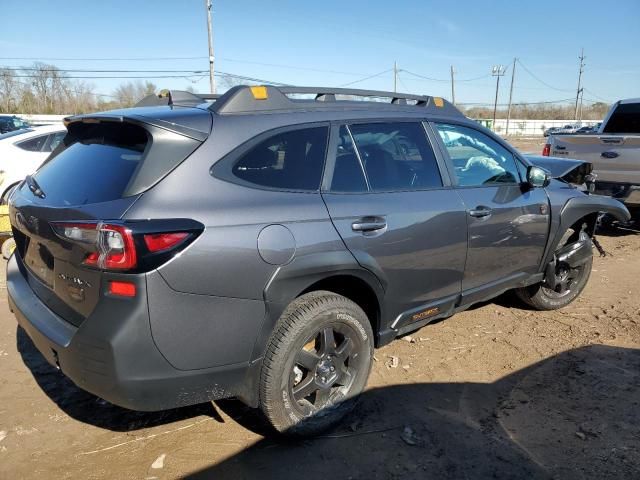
x,y
575,415
90,409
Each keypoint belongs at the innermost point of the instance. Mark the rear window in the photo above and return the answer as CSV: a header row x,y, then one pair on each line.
x,y
96,165
290,160
625,119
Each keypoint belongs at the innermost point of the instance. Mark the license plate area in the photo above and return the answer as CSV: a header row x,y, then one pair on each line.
x,y
40,262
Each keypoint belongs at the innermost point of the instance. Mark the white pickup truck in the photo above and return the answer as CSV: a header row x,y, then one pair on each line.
x,y
614,152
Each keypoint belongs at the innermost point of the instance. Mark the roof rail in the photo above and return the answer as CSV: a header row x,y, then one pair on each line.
x,y
255,99
175,97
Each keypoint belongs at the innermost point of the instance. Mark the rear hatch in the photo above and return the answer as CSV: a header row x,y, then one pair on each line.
x,y
66,215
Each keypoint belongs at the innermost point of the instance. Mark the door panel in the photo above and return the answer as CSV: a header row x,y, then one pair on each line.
x,y
419,254
388,202
510,239
508,222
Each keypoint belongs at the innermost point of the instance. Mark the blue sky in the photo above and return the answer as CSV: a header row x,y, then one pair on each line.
x,y
340,42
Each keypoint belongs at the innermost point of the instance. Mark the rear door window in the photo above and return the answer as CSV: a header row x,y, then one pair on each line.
x,y
396,156
96,166
291,160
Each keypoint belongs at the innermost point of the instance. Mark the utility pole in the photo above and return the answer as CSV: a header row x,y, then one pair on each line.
x,y
497,71
453,90
395,77
581,57
212,80
581,96
513,77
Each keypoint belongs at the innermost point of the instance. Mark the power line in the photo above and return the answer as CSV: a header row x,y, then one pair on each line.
x,y
73,70
597,96
540,80
292,67
226,59
123,59
366,78
425,77
446,79
125,77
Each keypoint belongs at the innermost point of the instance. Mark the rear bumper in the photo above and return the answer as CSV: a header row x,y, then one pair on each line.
x,y
113,355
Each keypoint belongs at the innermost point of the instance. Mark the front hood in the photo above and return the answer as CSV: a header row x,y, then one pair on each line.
x,y
568,169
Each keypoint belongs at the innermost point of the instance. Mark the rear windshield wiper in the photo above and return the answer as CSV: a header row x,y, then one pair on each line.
x,y
34,187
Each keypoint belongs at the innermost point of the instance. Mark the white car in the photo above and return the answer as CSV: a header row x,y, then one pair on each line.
x,y
23,151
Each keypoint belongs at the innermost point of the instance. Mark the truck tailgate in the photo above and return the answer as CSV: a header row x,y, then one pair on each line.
x,y
615,158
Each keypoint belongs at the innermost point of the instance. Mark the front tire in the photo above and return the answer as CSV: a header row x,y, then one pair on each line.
x,y
318,360
570,283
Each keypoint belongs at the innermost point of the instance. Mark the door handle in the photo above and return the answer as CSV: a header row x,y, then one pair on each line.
x,y
609,154
369,224
480,211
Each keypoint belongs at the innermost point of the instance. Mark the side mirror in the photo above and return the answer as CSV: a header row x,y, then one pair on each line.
x,y
538,177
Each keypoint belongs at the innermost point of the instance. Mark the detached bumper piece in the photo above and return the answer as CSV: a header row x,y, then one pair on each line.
x,y
573,255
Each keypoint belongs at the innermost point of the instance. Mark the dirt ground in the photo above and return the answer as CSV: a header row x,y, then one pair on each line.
x,y
498,391
531,145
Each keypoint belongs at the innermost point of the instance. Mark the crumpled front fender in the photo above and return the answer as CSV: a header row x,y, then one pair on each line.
x,y
579,207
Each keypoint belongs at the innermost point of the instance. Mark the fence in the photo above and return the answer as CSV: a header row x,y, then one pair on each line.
x,y
42,119
529,128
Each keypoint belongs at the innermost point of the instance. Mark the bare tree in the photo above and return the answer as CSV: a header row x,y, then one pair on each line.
x,y
9,87
128,94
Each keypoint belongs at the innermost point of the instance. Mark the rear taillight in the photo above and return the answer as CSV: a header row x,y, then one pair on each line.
x,y
546,150
158,242
111,246
135,246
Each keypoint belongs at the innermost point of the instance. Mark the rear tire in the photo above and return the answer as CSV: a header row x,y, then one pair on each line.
x,y
318,360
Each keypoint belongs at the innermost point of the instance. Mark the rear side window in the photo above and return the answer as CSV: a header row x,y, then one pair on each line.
x,y
624,119
396,156
33,144
96,165
290,160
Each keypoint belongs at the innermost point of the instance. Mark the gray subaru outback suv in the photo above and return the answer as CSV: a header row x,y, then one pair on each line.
x,y
262,243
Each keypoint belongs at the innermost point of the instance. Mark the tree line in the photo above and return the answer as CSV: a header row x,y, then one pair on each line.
x,y
45,89
545,111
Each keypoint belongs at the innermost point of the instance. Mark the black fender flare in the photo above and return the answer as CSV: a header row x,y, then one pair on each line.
x,y
579,207
286,284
